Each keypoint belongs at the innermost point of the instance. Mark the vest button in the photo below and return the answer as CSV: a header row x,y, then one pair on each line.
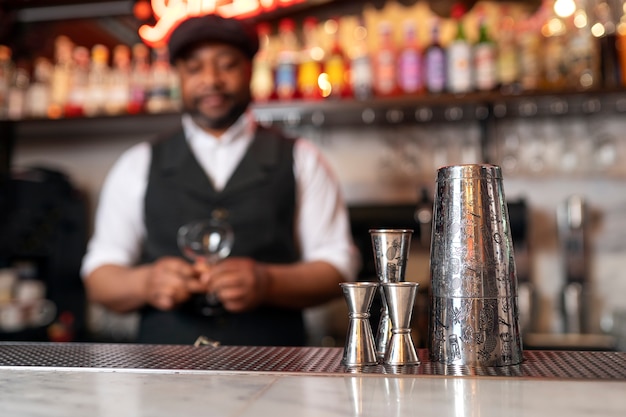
x,y
219,214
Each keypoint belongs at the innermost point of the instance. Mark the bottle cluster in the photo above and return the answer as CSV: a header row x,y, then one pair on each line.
x,y
494,47
508,52
83,82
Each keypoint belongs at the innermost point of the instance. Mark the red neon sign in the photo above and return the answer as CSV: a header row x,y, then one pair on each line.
x,y
170,12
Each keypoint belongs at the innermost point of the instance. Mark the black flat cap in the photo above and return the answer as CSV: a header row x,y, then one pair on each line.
x,y
212,28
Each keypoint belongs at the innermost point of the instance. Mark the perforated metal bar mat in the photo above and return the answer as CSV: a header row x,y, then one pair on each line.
x,y
302,360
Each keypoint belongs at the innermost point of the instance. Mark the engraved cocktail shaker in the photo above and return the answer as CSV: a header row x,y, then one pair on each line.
x,y
474,307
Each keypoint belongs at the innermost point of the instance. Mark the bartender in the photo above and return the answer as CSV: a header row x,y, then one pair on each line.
x,y
292,241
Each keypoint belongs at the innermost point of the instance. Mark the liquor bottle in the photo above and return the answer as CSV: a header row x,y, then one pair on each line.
x,y
310,67
38,96
336,65
159,97
581,57
507,56
119,81
435,63
604,29
60,81
385,60
459,57
410,78
139,79
361,74
621,47
6,75
262,83
287,61
554,60
97,93
78,83
485,75
176,100
16,98
530,52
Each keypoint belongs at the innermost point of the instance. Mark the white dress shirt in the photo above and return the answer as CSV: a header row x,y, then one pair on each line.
x,y
322,222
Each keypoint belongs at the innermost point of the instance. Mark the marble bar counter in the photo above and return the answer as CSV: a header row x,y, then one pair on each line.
x,y
44,379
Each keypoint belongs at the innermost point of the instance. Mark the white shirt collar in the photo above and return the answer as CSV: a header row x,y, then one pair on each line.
x,y
242,129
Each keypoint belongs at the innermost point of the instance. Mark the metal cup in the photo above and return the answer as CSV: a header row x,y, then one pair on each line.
x,y
400,297
474,305
391,252
359,348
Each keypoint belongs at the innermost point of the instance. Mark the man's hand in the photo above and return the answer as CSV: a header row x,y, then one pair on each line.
x,y
240,283
171,281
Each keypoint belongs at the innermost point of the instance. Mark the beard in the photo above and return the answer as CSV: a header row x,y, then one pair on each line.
x,y
223,121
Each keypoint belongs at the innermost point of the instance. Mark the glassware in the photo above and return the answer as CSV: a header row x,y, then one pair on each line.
x,y
210,240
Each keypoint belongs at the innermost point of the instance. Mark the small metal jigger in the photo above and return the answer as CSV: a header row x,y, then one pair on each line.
x,y
400,297
391,252
359,348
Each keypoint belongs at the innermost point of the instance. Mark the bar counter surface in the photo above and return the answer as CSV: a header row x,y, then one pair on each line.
x,y
44,379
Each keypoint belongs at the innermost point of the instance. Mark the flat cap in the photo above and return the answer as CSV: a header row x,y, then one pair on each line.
x,y
216,28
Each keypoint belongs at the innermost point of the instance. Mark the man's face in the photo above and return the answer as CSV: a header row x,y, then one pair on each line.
x,y
215,85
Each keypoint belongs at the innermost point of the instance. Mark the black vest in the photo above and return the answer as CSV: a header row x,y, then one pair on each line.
x,y
259,201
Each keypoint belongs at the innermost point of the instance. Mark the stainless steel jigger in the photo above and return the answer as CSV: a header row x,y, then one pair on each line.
x,y
359,348
400,297
391,252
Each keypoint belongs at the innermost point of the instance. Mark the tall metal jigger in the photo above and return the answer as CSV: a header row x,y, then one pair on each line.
x,y
391,252
400,298
474,314
359,348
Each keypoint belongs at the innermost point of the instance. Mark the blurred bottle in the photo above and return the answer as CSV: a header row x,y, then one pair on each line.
x,y
554,60
485,59
310,67
362,77
139,79
336,64
508,65
621,45
61,74
604,29
385,61
38,96
262,83
16,98
435,62
287,61
6,75
119,81
581,56
459,56
176,100
410,77
79,82
529,40
159,97
98,90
